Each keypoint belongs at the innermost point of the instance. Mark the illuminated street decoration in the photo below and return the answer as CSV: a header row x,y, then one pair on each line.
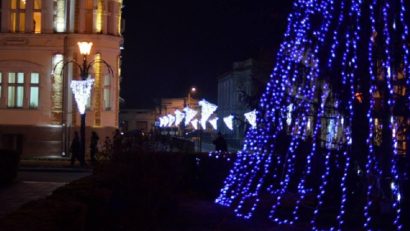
x,y
207,109
251,118
189,115
162,121
194,123
82,91
179,116
228,120
344,67
171,120
214,123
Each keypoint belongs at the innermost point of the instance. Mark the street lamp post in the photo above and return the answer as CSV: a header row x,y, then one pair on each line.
x,y
82,88
85,48
192,90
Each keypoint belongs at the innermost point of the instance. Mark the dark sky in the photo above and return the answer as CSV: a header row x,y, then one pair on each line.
x,y
173,45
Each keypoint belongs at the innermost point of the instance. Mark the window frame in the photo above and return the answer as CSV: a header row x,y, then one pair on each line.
x,y
16,85
30,88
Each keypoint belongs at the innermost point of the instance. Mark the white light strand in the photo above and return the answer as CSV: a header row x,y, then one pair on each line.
x,y
214,123
82,91
189,115
228,120
171,120
194,123
251,118
179,116
207,109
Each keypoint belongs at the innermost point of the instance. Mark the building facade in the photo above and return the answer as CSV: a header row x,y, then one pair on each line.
x,y
238,93
38,38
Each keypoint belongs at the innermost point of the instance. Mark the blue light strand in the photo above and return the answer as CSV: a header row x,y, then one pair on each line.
x,y
391,102
371,165
312,78
255,167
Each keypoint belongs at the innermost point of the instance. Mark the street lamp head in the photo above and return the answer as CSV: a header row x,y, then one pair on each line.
x,y
85,47
193,89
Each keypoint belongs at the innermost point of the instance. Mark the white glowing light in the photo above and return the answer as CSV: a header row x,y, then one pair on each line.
x,y
251,118
289,114
171,120
85,47
162,122
179,116
214,123
229,121
82,91
195,123
189,115
207,109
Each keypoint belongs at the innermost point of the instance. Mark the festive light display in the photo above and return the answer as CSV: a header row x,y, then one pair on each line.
x,y
214,123
171,120
251,118
207,109
189,115
179,116
332,121
194,123
228,120
82,91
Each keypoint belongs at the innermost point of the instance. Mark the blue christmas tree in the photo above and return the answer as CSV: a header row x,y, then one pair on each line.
x,y
332,129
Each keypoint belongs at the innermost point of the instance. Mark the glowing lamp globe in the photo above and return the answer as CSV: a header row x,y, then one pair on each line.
x,y
85,47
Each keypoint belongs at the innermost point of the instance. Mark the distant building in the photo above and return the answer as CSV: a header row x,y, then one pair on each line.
x,y
37,110
137,119
238,92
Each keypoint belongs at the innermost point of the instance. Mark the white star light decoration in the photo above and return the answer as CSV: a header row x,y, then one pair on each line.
x,y
189,115
214,123
194,123
228,120
251,118
179,116
82,91
207,110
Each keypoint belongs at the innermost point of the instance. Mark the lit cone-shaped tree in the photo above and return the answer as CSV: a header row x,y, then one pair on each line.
x,y
331,143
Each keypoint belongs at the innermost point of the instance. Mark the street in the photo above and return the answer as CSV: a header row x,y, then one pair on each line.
x,y
32,184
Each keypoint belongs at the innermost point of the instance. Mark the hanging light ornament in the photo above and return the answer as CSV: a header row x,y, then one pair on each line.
x,y
82,91
189,115
207,109
228,120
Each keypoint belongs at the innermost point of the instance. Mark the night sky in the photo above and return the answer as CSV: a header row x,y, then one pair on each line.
x,y
170,46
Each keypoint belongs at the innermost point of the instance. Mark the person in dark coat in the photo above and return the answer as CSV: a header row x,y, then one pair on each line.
x,y
93,145
75,149
220,143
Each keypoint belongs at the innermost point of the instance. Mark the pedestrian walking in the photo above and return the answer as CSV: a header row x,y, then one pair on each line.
x,y
75,150
94,145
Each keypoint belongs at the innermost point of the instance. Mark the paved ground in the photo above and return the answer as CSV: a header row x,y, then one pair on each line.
x,y
37,179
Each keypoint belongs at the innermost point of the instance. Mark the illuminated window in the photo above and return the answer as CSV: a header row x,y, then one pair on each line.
x,y
34,90
99,21
37,16
59,15
107,92
18,15
15,94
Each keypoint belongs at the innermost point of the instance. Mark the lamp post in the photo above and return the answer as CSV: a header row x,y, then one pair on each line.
x,y
82,88
192,90
85,48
